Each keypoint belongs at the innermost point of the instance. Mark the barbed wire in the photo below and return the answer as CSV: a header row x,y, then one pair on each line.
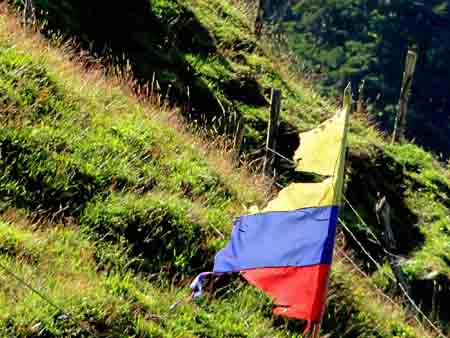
x,y
65,314
406,294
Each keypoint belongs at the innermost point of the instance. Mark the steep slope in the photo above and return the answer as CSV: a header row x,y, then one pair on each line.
x,y
205,52
145,199
77,150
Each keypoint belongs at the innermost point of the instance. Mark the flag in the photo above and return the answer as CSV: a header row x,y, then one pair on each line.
x,y
286,249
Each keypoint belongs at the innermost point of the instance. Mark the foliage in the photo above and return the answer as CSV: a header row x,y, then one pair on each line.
x,y
367,40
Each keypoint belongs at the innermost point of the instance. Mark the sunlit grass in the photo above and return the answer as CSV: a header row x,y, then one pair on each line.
x,y
146,203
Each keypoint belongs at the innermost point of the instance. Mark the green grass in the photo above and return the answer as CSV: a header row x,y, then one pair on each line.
x,y
81,165
168,232
128,206
104,297
428,196
241,59
113,302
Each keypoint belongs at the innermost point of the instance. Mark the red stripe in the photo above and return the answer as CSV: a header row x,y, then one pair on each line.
x,y
298,292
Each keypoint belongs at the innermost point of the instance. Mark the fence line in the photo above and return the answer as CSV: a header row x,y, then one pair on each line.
x,y
408,297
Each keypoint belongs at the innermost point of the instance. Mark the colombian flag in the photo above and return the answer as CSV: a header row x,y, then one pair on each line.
x,y
286,250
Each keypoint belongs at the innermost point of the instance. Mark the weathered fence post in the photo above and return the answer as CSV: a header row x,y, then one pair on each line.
x,y
167,96
400,121
238,138
272,132
188,101
360,109
259,18
29,16
383,212
263,8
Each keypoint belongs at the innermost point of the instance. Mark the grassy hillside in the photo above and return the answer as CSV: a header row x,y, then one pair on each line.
x,y
203,50
109,207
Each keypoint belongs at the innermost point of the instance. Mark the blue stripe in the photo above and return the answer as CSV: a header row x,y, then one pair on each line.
x,y
280,239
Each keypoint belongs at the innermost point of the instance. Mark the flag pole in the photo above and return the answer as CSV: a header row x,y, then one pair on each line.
x,y
316,330
347,104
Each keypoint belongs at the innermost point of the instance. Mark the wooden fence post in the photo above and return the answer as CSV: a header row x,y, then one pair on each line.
x,y
272,132
259,18
316,330
383,212
29,15
188,101
263,8
360,110
400,121
237,141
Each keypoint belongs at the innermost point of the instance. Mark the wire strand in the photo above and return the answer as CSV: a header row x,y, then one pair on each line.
x,y
375,238
45,298
408,297
31,288
359,243
361,219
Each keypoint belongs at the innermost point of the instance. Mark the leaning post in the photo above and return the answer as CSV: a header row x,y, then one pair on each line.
x,y
408,74
272,132
29,15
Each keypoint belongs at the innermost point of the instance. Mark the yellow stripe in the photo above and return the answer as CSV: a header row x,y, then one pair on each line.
x,y
303,195
322,151
321,148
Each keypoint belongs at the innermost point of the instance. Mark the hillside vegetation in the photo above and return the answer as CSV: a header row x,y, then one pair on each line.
x,y
368,39
109,207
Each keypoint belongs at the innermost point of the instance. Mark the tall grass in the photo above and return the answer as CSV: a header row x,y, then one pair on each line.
x,y
99,161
